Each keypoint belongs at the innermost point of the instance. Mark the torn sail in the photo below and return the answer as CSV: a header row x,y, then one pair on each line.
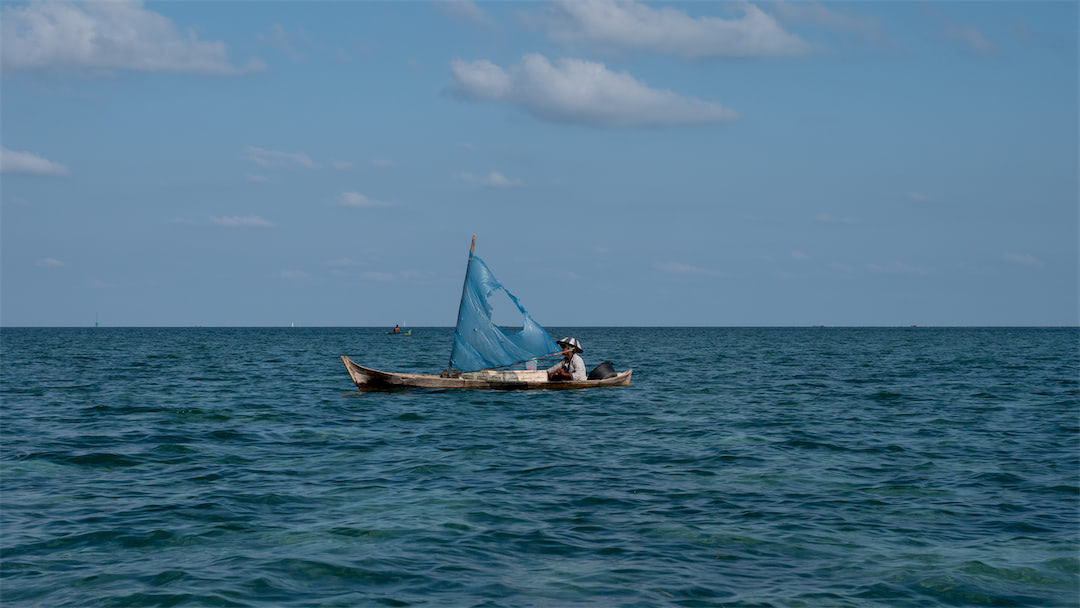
x,y
478,342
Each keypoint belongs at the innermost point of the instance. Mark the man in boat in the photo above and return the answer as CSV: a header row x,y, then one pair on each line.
x,y
572,367
397,330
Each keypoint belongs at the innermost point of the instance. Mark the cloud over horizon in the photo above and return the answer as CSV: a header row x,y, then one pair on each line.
x,y
247,221
291,274
581,92
1023,259
491,180
273,159
466,11
972,39
966,36
816,13
25,163
114,35
355,199
628,25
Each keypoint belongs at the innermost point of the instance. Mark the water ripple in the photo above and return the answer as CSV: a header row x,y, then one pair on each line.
x,y
744,467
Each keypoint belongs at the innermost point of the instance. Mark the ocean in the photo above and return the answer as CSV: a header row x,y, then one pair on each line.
x,y
764,467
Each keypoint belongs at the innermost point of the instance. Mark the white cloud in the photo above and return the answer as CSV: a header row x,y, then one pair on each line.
x,y
28,164
293,275
582,92
51,263
252,221
816,13
1023,259
114,35
467,11
918,197
971,38
355,199
480,79
565,275
491,180
275,159
619,25
681,269
382,163
341,165
258,179
287,42
799,255
278,38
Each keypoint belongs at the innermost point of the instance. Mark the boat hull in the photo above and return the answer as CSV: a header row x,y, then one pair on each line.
x,y
366,378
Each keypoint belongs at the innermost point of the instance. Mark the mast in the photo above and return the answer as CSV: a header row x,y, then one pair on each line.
x,y
464,289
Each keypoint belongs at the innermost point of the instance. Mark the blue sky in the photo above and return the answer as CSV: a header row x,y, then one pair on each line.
x,y
622,163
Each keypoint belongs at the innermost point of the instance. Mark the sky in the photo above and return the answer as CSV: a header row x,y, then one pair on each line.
x,y
620,163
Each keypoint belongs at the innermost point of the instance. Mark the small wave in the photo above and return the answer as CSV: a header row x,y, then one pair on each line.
x,y
814,445
102,459
229,435
955,591
1002,479
1017,575
311,572
103,538
175,599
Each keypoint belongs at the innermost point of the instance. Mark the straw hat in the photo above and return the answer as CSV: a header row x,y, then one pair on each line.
x,y
571,342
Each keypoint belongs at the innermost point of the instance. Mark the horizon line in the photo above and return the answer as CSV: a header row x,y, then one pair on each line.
x,y
912,326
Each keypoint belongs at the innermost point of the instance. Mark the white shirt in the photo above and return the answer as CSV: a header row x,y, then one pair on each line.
x,y
576,367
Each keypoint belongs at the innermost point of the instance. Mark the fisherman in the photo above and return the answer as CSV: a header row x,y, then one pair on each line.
x,y
397,329
571,367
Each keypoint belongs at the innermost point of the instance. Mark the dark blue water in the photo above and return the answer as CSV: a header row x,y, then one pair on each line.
x,y
743,467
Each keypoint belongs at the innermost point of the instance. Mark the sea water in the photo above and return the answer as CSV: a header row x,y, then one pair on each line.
x,y
743,467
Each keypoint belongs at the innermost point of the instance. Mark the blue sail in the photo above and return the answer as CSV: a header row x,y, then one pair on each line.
x,y
478,342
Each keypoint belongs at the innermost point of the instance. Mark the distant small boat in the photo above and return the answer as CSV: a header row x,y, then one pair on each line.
x,y
399,333
481,348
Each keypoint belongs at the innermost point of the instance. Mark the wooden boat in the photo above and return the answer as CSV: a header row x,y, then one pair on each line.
x,y
482,351
366,378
